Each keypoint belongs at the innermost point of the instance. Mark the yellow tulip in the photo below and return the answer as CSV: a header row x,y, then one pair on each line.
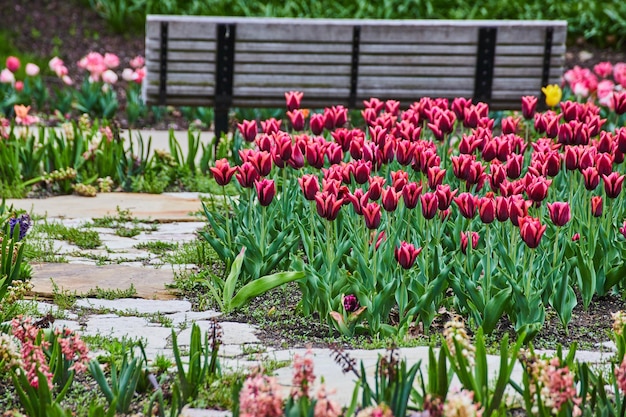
x,y
553,94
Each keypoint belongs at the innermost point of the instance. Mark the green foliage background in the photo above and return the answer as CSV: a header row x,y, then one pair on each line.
x,y
600,22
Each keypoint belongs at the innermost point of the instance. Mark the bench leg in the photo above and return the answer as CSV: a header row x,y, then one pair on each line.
x,y
221,126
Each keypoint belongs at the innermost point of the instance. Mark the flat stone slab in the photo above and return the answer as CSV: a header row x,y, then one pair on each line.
x,y
135,305
157,207
150,283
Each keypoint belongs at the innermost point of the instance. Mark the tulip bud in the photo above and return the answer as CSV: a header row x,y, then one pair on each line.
x,y
293,99
310,186
613,184
430,205
406,254
248,130
13,63
596,206
529,104
222,171
19,86
316,123
559,213
465,238
389,199
467,204
531,231
371,214
266,190
247,175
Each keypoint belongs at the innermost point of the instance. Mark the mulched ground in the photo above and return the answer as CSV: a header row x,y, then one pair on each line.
x,y
43,27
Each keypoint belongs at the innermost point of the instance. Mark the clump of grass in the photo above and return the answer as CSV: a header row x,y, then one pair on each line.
x,y
112,294
158,247
84,239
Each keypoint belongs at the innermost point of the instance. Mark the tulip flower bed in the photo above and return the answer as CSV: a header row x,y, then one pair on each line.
x,y
433,206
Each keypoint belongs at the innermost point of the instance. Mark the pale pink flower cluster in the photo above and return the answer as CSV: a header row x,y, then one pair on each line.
x,y
303,376
554,384
33,357
585,83
619,321
325,407
455,330
100,66
461,403
9,353
381,410
57,66
260,397
137,70
73,348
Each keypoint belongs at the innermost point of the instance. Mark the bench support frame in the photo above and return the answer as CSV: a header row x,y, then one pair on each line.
x,y
224,70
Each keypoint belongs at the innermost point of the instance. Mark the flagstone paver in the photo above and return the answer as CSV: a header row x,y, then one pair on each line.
x,y
149,283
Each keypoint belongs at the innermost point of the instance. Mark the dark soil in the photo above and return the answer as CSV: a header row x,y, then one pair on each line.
x,y
70,29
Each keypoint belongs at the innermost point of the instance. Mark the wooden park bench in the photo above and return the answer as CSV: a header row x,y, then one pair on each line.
x,y
251,62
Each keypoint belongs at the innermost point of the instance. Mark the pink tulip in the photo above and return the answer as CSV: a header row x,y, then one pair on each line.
x,y
32,70
13,63
109,77
531,231
111,60
7,77
406,254
137,62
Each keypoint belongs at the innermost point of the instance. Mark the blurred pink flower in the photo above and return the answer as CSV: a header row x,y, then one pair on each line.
x,y
111,60
109,77
7,77
619,73
57,65
19,86
13,63
32,70
94,63
128,74
137,62
581,81
603,69
605,93
67,80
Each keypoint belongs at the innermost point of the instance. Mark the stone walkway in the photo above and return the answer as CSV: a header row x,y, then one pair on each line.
x,y
157,311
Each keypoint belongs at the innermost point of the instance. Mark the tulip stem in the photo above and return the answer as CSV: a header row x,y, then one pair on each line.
x,y
263,219
487,289
529,273
228,238
312,229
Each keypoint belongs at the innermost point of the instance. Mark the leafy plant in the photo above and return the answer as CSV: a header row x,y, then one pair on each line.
x,y
124,380
223,291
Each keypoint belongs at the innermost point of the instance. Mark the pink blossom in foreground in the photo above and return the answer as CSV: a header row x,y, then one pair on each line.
x,y
32,70
303,376
13,63
7,77
137,62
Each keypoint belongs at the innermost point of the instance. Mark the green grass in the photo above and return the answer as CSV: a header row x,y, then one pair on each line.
x,y
84,239
111,294
158,247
